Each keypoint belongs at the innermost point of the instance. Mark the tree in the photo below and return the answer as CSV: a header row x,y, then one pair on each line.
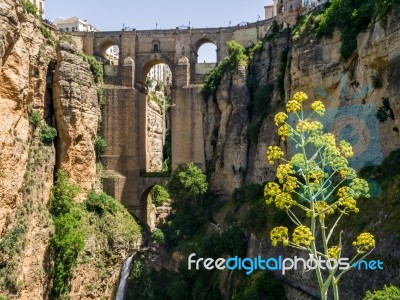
x,y
318,181
187,184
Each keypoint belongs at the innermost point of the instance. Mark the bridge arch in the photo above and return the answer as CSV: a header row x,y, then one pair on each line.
x,y
203,41
105,44
153,60
144,210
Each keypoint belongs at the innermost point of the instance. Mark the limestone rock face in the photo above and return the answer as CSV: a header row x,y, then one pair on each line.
x,y
227,133
352,90
155,137
26,164
77,117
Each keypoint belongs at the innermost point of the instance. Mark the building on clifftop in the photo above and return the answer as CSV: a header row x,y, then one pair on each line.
x,y
39,4
73,24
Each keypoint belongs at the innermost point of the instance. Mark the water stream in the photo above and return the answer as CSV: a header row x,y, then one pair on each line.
x,y
123,278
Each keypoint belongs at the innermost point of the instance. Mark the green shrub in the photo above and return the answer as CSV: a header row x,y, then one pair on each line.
x,y
351,17
100,203
383,9
376,79
96,67
385,111
62,194
69,235
187,184
34,118
47,134
257,285
100,146
29,7
101,97
237,56
45,31
248,193
387,293
157,237
159,195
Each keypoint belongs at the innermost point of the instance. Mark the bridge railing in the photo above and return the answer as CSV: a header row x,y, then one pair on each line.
x,y
161,174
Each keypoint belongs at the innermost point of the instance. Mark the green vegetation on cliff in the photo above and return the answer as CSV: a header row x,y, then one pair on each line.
x,y
350,17
69,236
237,56
99,217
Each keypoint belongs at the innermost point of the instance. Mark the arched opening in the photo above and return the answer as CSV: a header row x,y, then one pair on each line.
x,y
207,53
111,55
158,80
155,206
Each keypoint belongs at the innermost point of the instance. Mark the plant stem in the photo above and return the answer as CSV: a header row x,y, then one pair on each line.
x,y
335,290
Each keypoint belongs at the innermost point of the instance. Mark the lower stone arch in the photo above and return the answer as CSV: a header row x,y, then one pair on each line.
x,y
145,213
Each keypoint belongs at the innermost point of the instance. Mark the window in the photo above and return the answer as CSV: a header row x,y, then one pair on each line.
x,y
156,48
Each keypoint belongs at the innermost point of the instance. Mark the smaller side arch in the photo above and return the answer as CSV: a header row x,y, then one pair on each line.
x,y
128,62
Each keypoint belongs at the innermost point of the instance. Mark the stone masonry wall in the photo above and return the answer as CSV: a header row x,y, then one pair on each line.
x,y
155,137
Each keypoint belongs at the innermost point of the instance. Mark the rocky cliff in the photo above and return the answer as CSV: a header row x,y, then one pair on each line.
x,y
45,84
238,131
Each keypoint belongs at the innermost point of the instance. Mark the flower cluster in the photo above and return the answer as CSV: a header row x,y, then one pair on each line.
x,y
322,208
280,118
279,234
290,184
334,252
273,192
347,149
318,107
302,236
307,125
293,106
365,241
298,160
283,171
270,191
300,97
284,131
274,153
346,199
284,201
359,187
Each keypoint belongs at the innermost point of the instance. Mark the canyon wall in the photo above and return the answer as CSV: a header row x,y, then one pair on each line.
x,y
45,84
352,90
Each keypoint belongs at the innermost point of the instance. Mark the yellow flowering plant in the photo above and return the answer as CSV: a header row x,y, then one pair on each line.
x,y
318,181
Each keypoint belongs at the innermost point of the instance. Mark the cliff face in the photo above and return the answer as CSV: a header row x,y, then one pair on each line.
x,y
44,83
26,164
77,113
352,91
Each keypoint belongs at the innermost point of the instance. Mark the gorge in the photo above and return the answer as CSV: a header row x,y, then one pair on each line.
x,y
223,123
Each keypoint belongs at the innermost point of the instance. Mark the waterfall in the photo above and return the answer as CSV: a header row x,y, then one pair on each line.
x,y
228,293
123,277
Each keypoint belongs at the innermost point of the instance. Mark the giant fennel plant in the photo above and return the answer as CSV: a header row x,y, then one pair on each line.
x,y
318,183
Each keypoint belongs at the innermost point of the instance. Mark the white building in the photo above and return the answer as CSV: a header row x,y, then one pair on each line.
x,y
73,24
286,7
269,12
313,3
161,72
39,4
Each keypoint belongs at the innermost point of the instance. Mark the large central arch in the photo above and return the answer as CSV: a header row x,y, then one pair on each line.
x,y
146,109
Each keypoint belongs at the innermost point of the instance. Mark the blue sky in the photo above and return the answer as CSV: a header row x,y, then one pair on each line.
x,y
111,15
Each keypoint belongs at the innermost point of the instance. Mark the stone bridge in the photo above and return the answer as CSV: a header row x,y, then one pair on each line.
x,y
125,122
